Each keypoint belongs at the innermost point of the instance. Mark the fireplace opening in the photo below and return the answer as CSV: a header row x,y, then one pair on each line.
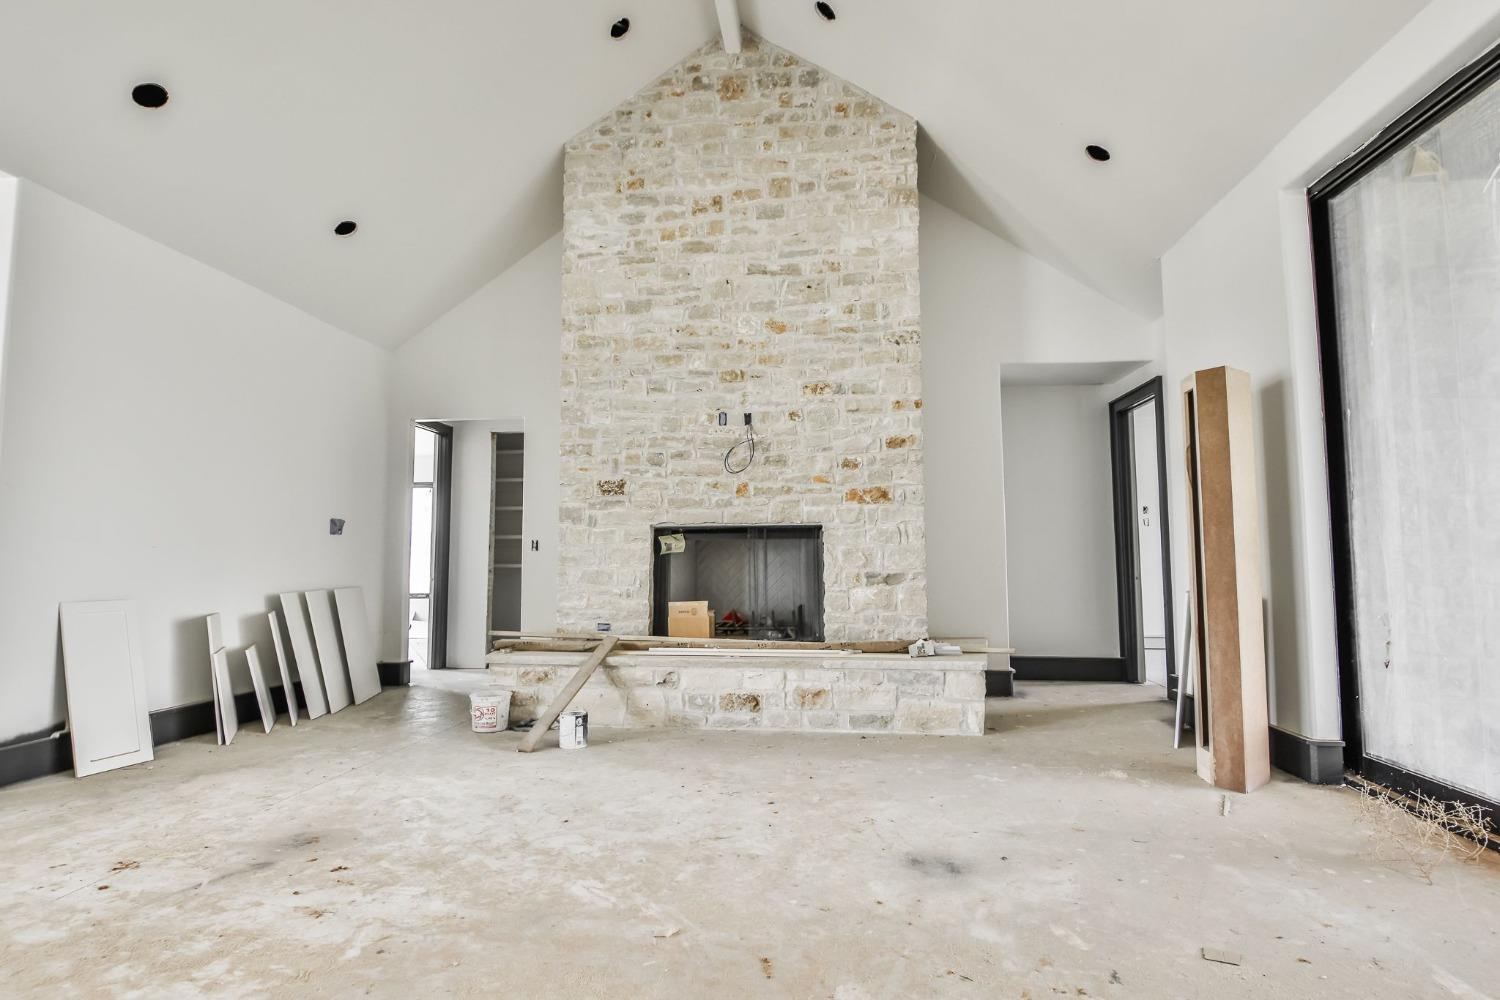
x,y
759,581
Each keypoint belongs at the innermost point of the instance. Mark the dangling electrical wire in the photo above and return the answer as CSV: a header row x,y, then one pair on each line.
x,y
749,459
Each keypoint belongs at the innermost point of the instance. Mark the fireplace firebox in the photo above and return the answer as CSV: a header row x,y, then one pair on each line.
x,y
762,581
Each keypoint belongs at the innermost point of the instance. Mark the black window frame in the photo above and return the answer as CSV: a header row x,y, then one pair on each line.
x,y
1453,94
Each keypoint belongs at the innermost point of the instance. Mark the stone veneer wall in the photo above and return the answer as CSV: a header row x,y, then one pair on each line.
x,y
938,695
742,235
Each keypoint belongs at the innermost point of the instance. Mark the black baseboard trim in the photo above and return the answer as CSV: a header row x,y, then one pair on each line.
x,y
1401,780
1068,668
39,757
1320,762
23,759
999,684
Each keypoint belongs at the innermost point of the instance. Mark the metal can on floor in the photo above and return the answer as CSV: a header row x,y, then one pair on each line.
x,y
573,730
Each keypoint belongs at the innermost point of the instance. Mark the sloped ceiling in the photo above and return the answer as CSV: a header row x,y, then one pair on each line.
x,y
438,125
1188,95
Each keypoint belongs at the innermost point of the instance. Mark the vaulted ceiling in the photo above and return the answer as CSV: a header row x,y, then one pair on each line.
x,y
437,125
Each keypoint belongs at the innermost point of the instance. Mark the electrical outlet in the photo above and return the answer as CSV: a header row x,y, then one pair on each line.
x,y
335,525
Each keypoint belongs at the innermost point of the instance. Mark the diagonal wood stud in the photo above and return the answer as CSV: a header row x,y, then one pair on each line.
x,y
561,702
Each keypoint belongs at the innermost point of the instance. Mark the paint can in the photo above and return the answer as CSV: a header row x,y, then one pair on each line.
x,y
489,711
573,730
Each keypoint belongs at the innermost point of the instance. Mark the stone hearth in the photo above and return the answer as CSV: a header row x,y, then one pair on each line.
x,y
867,693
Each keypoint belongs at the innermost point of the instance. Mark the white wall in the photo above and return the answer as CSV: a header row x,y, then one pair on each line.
x,y
1238,290
174,436
1059,519
496,356
986,304
469,539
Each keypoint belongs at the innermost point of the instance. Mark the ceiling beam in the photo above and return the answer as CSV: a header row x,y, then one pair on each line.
x,y
729,23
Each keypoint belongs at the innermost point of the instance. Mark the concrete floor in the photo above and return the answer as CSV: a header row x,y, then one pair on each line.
x,y
389,852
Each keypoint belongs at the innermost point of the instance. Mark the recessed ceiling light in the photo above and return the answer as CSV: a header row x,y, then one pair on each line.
x,y
826,10
618,29
1097,153
345,228
149,95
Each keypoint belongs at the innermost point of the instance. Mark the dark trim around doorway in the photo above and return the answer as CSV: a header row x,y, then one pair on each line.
x,y
442,527
1122,476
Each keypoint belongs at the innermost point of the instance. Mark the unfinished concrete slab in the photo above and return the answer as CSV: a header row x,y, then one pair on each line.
x,y
387,851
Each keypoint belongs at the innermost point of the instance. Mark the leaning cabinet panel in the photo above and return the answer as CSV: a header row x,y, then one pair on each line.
x,y
105,674
1230,685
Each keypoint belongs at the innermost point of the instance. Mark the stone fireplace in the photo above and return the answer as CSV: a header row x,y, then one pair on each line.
x,y
741,237
762,581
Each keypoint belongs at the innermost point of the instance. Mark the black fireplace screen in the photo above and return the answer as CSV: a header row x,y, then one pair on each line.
x,y
760,581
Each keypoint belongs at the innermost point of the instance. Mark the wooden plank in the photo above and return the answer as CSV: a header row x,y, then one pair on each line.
x,y
830,654
354,625
561,702
1232,734
302,652
105,677
330,656
262,690
532,642
647,641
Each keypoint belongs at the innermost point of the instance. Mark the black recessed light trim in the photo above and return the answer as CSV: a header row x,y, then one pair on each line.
x,y
825,9
149,95
1098,153
618,29
345,228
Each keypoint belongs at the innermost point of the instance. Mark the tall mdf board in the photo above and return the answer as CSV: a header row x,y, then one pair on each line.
x,y
1229,706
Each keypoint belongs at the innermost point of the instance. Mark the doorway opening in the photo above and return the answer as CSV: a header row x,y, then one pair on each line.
x,y
427,573
1143,564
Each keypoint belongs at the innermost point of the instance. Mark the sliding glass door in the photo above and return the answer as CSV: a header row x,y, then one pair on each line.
x,y
1408,251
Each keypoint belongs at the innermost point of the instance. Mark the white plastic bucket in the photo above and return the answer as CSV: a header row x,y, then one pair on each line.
x,y
489,711
573,730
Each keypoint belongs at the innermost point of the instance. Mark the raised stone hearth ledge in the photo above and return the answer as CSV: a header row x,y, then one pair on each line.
x,y
868,693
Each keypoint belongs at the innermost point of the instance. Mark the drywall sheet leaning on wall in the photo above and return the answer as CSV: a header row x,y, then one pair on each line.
x,y
262,689
302,651
286,671
227,716
354,625
330,657
104,670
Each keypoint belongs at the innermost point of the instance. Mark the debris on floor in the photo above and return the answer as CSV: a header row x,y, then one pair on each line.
x,y
1221,956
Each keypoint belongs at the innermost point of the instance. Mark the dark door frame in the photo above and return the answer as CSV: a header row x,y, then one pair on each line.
x,y
442,526
1122,476
1389,141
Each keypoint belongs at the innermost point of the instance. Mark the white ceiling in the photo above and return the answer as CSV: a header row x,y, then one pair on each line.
x,y
1187,94
438,124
